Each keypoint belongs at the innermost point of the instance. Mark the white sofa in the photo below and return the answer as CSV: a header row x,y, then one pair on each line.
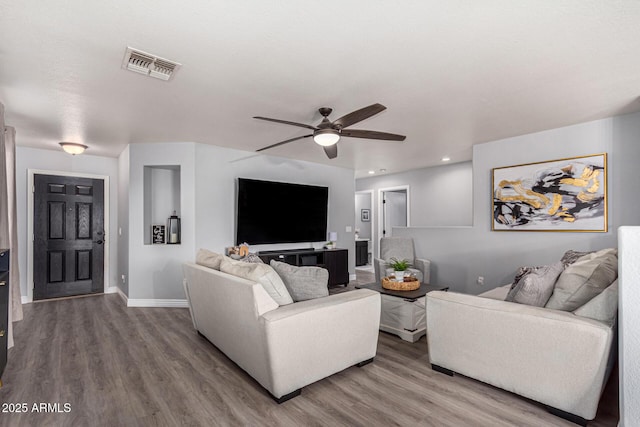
x,y
554,357
284,347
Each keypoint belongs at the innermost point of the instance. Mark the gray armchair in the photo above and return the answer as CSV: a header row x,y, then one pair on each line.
x,y
400,248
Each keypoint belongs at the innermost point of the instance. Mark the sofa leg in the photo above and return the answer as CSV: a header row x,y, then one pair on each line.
x,y
286,397
442,370
567,416
364,362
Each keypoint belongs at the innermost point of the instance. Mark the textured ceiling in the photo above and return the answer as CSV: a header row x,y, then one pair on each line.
x,y
452,73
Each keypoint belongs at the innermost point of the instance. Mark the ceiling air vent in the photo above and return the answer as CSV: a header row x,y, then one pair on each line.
x,y
149,64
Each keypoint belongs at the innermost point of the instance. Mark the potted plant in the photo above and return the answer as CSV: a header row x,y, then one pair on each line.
x,y
399,267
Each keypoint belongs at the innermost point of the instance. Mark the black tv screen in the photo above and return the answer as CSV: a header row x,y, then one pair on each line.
x,y
279,212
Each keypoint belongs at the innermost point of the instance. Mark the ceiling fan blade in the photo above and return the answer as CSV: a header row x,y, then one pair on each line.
x,y
331,151
359,115
284,142
372,134
286,122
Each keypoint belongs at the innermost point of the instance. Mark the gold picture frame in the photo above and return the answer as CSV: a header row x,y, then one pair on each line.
x,y
557,195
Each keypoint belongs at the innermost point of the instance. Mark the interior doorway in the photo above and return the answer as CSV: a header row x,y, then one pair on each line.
x,y
394,208
364,229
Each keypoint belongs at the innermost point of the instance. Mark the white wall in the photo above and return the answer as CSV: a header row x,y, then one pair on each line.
x,y
629,319
439,196
461,254
59,161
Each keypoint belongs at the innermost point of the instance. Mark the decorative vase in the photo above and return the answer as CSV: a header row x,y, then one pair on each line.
x,y
399,275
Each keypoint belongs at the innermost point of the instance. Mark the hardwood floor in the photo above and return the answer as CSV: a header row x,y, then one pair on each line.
x,y
119,366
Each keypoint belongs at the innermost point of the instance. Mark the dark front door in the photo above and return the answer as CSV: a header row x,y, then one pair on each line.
x,y
68,254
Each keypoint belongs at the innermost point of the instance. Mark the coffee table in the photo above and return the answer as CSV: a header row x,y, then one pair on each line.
x,y
403,312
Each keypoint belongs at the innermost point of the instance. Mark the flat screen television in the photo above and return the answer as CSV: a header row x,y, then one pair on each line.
x,y
279,212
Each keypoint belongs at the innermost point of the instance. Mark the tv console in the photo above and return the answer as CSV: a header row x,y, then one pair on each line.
x,y
336,261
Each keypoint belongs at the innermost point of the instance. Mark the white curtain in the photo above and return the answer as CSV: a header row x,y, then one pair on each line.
x,y
8,218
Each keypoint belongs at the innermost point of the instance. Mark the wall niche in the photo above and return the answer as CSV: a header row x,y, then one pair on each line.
x,y
161,197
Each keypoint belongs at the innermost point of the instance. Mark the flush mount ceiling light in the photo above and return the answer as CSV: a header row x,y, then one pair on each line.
x,y
73,147
446,158
326,137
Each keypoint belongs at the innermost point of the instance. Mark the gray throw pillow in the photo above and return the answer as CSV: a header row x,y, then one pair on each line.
x,y
261,273
572,256
209,259
303,283
535,284
603,307
584,279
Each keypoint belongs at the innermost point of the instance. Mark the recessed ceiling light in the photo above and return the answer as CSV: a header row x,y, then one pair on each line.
x,y
372,172
383,170
446,159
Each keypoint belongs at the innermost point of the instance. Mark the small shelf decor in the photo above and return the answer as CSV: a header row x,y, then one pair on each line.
x,y
173,227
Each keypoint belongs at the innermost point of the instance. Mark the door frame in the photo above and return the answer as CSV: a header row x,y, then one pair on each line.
x,y
30,218
381,208
372,240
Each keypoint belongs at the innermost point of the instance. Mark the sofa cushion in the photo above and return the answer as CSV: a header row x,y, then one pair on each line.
x,y
603,307
261,273
584,279
303,283
209,259
535,286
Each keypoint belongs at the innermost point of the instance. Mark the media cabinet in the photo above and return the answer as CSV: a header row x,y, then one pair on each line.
x,y
336,261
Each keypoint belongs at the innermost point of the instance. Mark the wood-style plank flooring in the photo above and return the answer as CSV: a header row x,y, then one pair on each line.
x,y
119,366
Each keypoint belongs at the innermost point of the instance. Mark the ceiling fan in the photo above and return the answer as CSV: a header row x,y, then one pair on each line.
x,y
328,133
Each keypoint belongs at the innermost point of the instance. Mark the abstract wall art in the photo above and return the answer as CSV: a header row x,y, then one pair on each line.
x,y
557,195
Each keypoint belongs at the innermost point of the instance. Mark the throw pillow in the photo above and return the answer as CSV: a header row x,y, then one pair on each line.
x,y
572,256
254,258
260,273
303,283
535,284
584,279
209,259
603,307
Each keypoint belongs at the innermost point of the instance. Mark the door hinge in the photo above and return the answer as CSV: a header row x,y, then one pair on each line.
x,y
33,189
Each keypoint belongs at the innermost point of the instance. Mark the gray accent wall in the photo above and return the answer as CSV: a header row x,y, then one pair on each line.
x,y
207,204
461,254
123,221
363,201
439,196
217,172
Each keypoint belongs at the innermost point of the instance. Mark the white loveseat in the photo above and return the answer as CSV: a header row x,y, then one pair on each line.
x,y
558,358
286,347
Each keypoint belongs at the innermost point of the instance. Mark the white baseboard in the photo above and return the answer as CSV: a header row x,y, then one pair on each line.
x,y
25,299
112,290
167,303
352,277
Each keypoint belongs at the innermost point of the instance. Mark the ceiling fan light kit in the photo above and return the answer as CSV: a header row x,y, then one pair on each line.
x,y
328,133
73,147
326,137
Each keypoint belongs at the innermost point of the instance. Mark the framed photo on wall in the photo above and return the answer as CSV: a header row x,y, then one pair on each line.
x,y
556,195
364,215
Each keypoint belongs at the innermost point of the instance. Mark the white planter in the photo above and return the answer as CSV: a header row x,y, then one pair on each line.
x,y
399,275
